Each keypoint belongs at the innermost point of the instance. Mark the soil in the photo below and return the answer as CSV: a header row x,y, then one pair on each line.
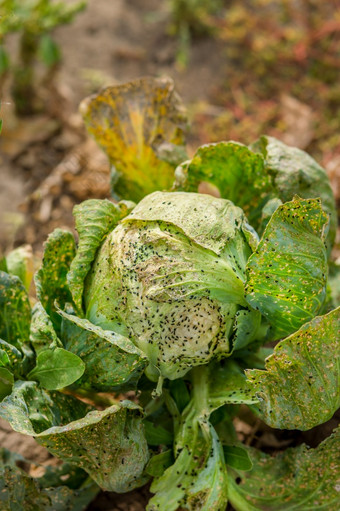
x,y
49,164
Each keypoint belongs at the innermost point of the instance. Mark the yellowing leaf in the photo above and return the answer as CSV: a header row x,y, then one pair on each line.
x,y
140,125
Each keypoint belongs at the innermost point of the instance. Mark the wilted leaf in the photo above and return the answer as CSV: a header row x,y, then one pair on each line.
x,y
50,279
30,409
294,172
57,368
287,274
301,385
94,219
112,361
15,310
140,125
299,479
109,445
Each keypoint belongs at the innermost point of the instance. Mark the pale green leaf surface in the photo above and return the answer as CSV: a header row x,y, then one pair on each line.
x,y
57,368
171,279
50,279
301,385
140,125
298,479
15,310
109,445
294,172
208,221
112,361
198,477
287,274
94,219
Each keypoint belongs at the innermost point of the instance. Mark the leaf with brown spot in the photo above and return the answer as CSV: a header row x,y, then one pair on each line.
x,y
50,279
140,125
109,445
299,479
293,171
300,387
287,273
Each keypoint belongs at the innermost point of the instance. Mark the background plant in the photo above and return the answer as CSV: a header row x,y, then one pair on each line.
x,y
34,21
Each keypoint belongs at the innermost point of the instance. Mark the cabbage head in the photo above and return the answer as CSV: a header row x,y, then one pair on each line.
x,y
171,277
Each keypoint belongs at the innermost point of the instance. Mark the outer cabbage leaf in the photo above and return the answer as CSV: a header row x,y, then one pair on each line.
x,y
109,445
299,479
30,410
301,385
15,311
258,178
60,488
94,218
237,173
293,172
287,274
140,125
170,277
50,279
112,361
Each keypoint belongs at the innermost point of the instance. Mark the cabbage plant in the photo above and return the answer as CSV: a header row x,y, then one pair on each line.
x,y
178,301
